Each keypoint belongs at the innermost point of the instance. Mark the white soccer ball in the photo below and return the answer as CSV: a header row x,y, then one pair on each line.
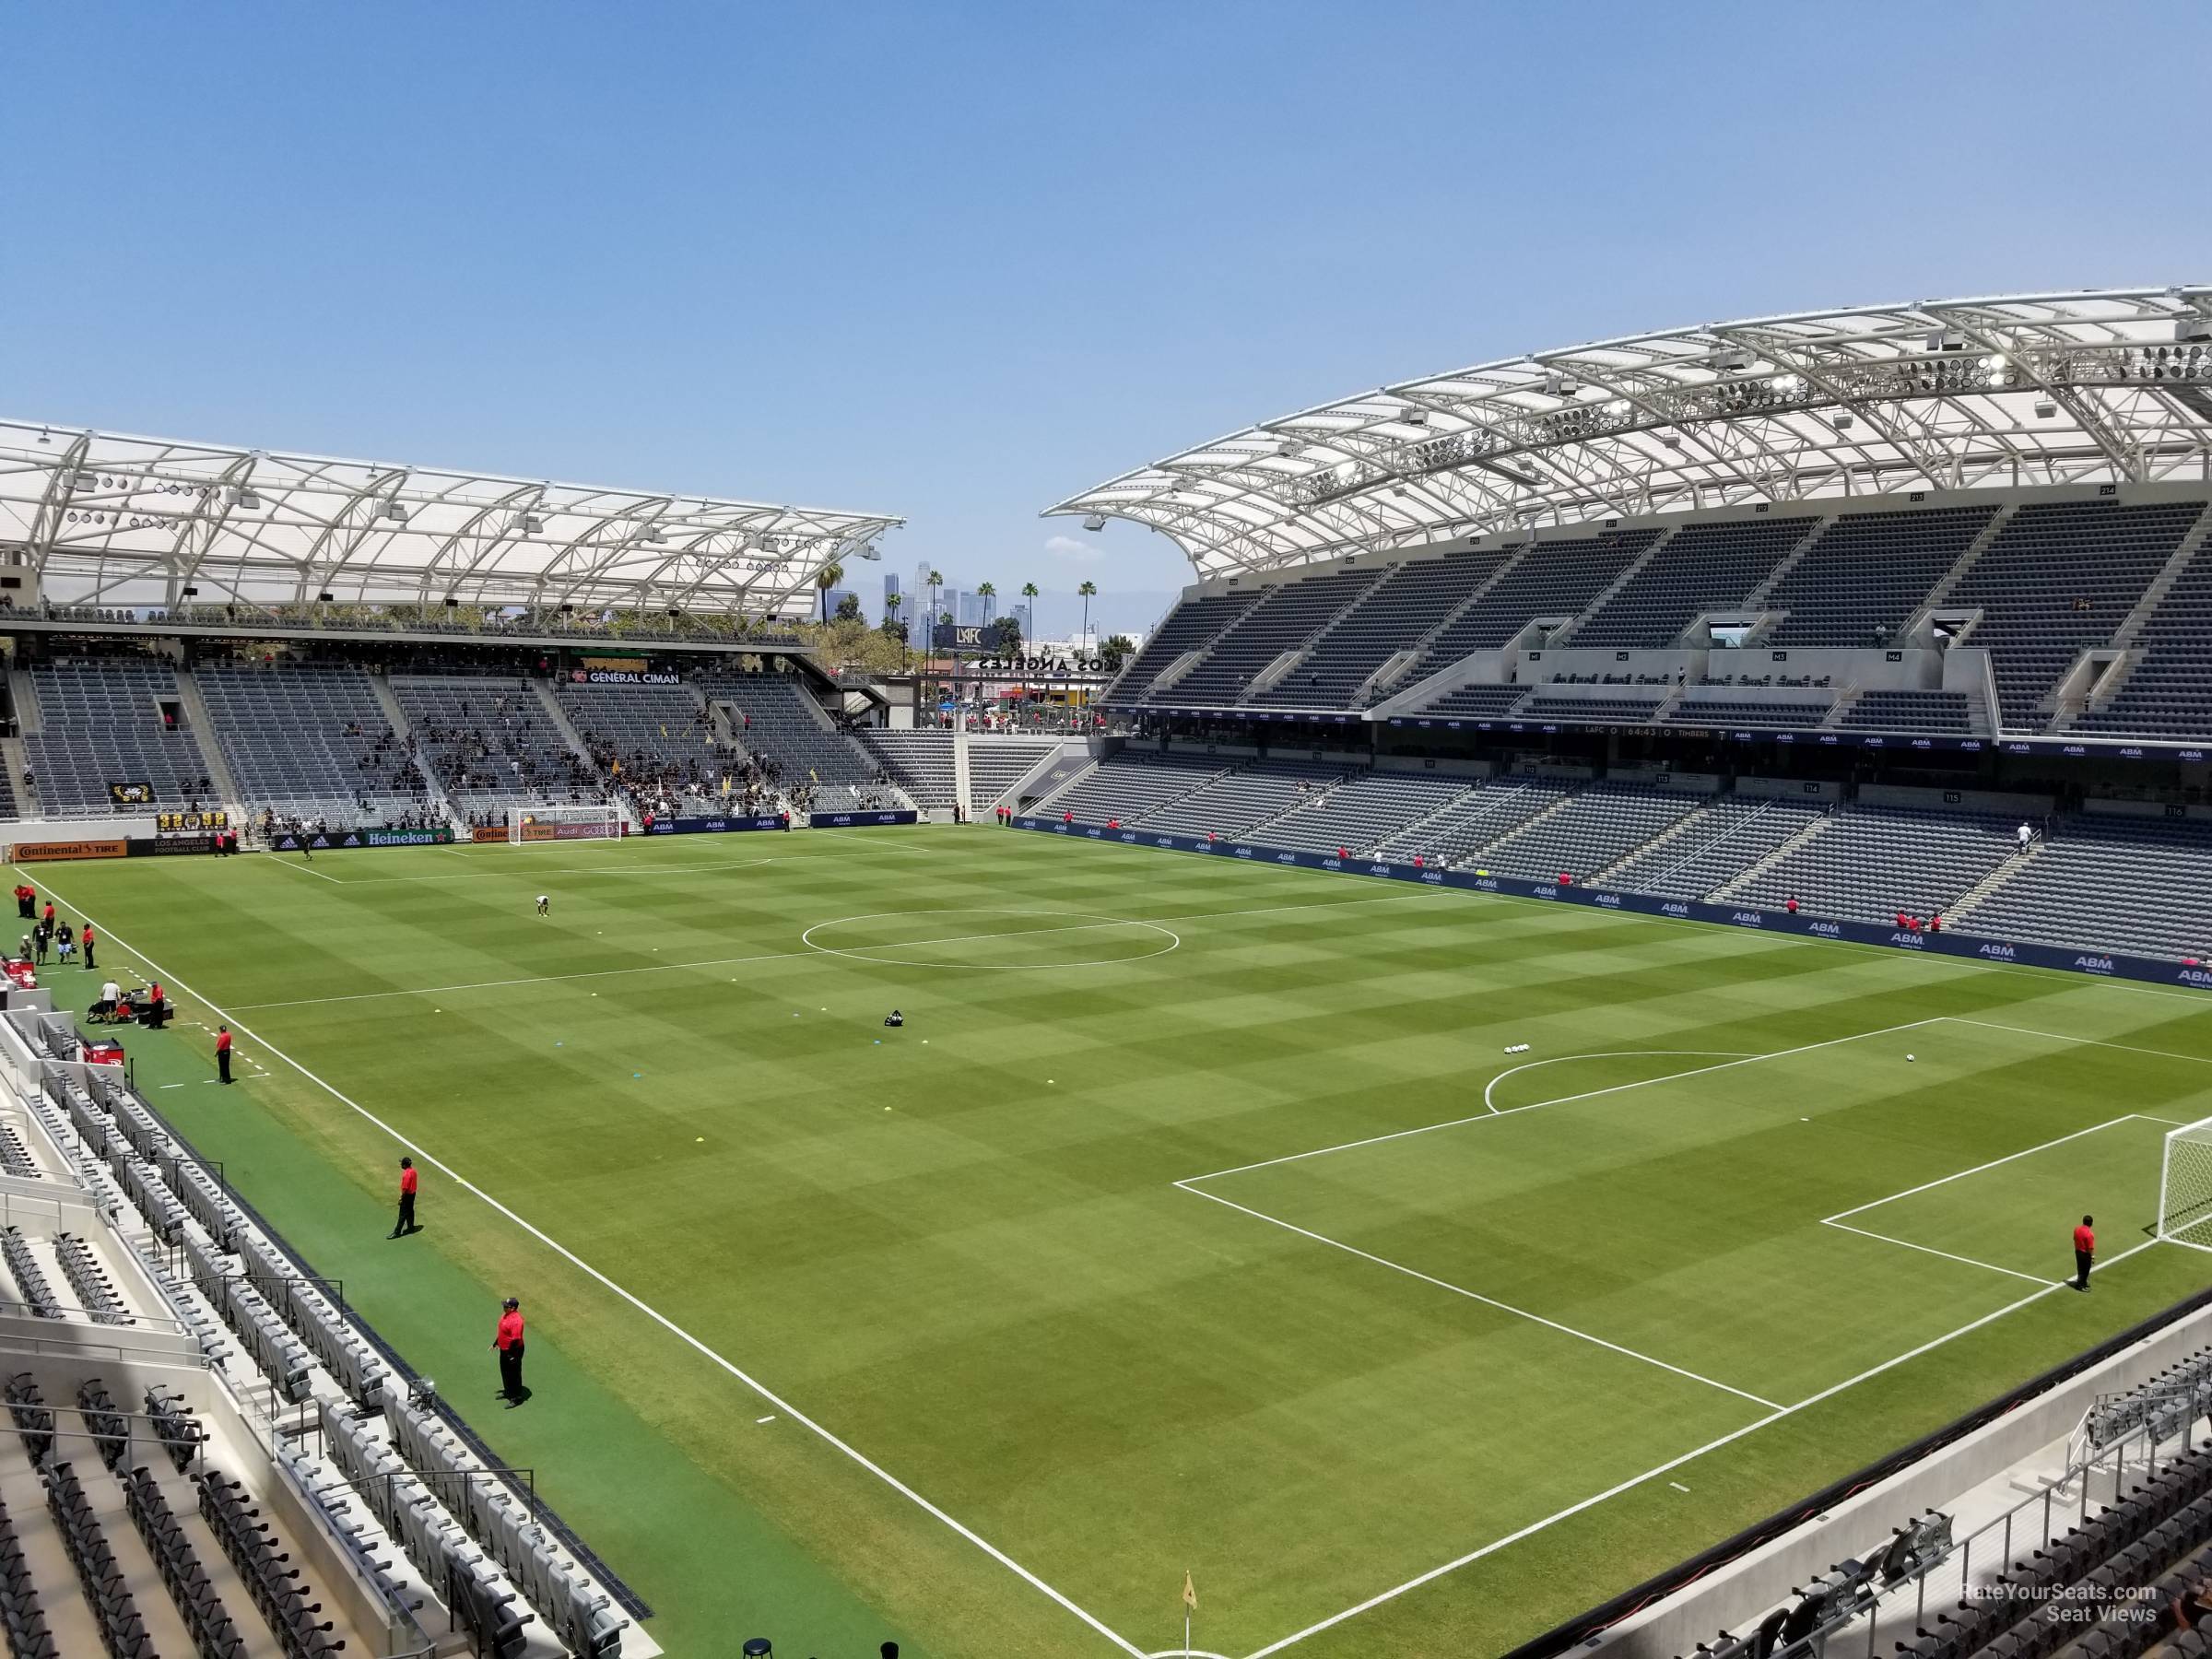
x,y
1909,1058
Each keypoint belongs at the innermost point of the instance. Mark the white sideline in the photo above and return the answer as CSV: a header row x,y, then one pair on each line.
x,y
1695,1071
1487,1302
643,1307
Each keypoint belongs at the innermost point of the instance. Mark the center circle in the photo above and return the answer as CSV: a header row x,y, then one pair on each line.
x,y
1017,939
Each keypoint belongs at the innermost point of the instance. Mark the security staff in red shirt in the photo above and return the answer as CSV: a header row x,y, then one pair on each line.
x,y
2085,1252
509,1341
405,1224
223,1052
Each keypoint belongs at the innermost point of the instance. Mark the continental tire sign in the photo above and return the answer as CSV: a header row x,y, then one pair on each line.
x,y
53,851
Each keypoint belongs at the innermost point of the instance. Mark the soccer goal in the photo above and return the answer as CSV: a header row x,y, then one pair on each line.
x,y
602,822
2186,1187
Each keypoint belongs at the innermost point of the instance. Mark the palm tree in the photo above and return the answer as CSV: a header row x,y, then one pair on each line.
x,y
1089,592
1029,591
890,620
828,577
986,592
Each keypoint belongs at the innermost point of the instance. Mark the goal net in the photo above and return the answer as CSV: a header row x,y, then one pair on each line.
x,y
603,822
2186,1187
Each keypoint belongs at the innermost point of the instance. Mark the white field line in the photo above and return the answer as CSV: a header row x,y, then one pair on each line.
x,y
1668,1467
1487,1302
535,875
1929,1186
770,955
1636,1053
1479,1117
293,863
2033,1278
2044,974
765,1394
2125,1048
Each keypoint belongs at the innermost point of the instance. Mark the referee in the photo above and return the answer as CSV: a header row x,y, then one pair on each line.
x,y
2085,1252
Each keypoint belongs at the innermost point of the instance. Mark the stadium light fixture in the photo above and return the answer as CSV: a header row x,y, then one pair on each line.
x,y
1419,417
533,524
245,500
1096,520
325,598
653,536
394,512
2045,409
1841,422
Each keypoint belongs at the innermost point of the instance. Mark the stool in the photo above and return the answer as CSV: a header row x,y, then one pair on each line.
x,y
760,1647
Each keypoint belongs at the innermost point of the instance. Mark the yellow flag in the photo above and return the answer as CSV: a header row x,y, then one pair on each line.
x,y
1189,1591
664,728
725,783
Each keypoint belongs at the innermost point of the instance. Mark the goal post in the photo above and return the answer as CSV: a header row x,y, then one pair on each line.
x,y
527,823
2186,1187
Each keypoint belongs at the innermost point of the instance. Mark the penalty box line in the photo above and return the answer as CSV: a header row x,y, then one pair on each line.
x,y
2043,1289
655,1314
1715,1444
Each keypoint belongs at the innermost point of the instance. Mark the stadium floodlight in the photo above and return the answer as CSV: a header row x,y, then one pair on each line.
x,y
2199,328
653,536
2186,1187
533,524
245,500
2045,409
393,511
1096,520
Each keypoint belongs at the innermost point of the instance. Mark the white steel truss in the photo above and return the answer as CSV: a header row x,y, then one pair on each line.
x,y
1945,394
107,519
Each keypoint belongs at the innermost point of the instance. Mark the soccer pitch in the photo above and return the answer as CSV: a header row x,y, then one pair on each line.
x,y
1198,1219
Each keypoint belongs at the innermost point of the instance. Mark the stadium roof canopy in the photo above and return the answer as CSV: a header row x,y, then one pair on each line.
x,y
108,519
1949,395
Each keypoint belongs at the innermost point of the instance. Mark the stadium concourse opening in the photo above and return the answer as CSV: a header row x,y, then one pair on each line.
x,y
1572,994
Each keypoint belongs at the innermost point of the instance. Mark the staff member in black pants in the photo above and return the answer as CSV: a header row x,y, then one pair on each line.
x,y
405,1224
223,1052
2085,1252
509,1341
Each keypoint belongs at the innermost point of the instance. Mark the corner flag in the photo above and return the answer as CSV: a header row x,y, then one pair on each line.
x,y
1190,1592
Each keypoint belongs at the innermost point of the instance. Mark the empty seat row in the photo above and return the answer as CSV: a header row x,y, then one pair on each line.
x,y
213,1633
21,1618
104,721
1286,616
96,1292
1594,829
122,1630
277,1587
996,764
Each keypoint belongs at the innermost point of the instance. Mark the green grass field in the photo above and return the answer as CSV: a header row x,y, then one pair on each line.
x,y
1197,1218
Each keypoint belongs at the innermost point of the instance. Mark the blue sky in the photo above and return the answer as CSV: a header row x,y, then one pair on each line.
x,y
957,262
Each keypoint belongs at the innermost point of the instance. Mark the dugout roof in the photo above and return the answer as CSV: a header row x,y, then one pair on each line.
x,y
1942,394
109,519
